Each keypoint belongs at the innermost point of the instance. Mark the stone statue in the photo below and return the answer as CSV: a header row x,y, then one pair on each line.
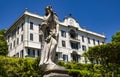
x,y
49,30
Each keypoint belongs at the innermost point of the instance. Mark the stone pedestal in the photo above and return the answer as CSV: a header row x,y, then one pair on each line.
x,y
56,73
53,70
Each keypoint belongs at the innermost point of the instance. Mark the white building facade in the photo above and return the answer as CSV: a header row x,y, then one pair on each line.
x,y
24,40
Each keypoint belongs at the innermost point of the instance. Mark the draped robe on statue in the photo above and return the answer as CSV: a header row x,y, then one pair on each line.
x,y
49,30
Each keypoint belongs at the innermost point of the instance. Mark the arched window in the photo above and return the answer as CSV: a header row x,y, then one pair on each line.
x,y
75,56
73,34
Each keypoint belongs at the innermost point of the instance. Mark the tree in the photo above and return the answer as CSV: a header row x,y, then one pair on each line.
x,y
108,55
116,37
3,43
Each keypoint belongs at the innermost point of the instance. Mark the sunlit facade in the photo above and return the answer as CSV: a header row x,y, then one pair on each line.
x,y
24,40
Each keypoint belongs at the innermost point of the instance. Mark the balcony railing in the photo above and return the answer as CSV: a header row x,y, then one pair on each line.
x,y
74,39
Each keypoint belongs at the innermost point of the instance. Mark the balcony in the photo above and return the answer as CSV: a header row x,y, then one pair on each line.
x,y
75,45
73,36
74,39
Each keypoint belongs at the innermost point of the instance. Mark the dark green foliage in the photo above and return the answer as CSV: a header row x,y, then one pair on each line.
x,y
116,37
74,72
3,43
88,70
28,67
107,55
17,67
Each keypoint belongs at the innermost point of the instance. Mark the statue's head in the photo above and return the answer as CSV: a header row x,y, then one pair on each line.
x,y
48,9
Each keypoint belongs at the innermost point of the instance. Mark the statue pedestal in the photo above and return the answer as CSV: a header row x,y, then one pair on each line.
x,y
56,73
53,70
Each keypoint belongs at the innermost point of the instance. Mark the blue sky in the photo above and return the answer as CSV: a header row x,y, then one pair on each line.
x,y
101,16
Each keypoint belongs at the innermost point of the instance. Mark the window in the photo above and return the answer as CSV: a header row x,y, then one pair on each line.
x,y
65,58
83,47
21,38
17,41
33,53
59,55
14,43
98,42
31,25
21,54
83,39
38,52
13,33
63,33
31,36
74,45
39,27
22,26
94,41
28,52
18,30
88,40
73,34
103,42
75,57
10,45
17,55
63,43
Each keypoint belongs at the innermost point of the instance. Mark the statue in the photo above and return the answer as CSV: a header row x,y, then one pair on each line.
x,y
49,30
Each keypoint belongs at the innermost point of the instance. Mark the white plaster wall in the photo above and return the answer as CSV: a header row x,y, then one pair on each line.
x,y
35,44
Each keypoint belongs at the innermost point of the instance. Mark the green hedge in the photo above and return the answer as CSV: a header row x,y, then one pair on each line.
x,y
88,70
18,67
28,67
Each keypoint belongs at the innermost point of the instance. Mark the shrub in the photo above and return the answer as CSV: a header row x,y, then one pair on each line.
x,y
88,70
18,67
74,72
28,67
